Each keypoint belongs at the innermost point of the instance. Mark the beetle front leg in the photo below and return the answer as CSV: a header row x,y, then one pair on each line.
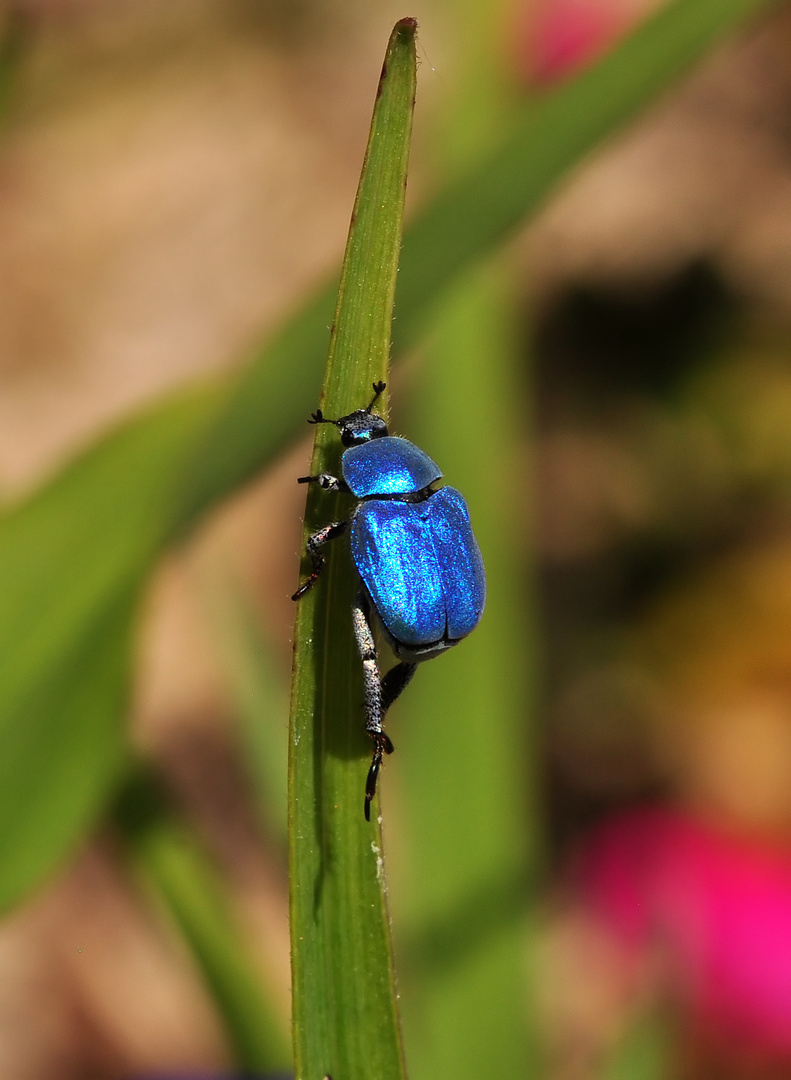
x,y
374,699
313,547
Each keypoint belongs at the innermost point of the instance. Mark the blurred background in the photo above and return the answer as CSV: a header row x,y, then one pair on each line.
x,y
175,179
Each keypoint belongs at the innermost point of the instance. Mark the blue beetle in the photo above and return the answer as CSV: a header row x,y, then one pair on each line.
x,y
420,566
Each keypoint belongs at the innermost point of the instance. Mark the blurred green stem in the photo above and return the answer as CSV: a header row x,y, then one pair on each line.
x,y
468,776
470,801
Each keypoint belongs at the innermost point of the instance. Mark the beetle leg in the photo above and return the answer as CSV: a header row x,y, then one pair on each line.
x,y
325,481
318,416
378,388
395,681
313,547
374,696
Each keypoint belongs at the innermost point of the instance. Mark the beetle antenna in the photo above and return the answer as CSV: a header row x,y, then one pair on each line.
x,y
379,387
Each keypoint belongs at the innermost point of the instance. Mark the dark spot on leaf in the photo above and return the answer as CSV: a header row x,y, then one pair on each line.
x,y
381,80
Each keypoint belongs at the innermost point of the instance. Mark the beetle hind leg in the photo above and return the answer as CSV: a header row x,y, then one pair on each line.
x,y
379,694
395,681
390,687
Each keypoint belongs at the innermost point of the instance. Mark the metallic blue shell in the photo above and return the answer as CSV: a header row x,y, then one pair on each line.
x,y
387,466
421,566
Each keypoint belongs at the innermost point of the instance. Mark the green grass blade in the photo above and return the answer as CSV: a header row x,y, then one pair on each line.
x,y
178,874
344,1011
84,544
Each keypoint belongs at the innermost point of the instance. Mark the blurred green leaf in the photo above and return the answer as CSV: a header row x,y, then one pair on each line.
x,y
15,34
63,746
464,727
644,1050
345,1016
259,693
470,813
179,876
72,562
82,547
545,140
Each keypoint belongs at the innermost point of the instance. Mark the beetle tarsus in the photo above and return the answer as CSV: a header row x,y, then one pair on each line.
x,y
379,388
382,746
306,586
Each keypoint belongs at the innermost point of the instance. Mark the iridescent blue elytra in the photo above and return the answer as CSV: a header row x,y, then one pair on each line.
x,y
420,568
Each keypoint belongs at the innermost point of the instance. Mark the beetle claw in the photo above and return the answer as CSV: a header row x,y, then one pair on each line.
x,y
382,745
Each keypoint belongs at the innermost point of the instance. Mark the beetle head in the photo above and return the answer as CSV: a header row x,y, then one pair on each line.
x,y
360,427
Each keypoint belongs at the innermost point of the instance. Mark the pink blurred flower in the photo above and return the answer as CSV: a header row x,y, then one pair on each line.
x,y
559,37
718,905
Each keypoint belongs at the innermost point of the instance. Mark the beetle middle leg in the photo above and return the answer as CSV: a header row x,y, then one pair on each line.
x,y
313,547
326,481
375,700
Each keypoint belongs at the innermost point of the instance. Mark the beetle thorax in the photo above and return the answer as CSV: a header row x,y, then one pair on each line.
x,y
388,467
